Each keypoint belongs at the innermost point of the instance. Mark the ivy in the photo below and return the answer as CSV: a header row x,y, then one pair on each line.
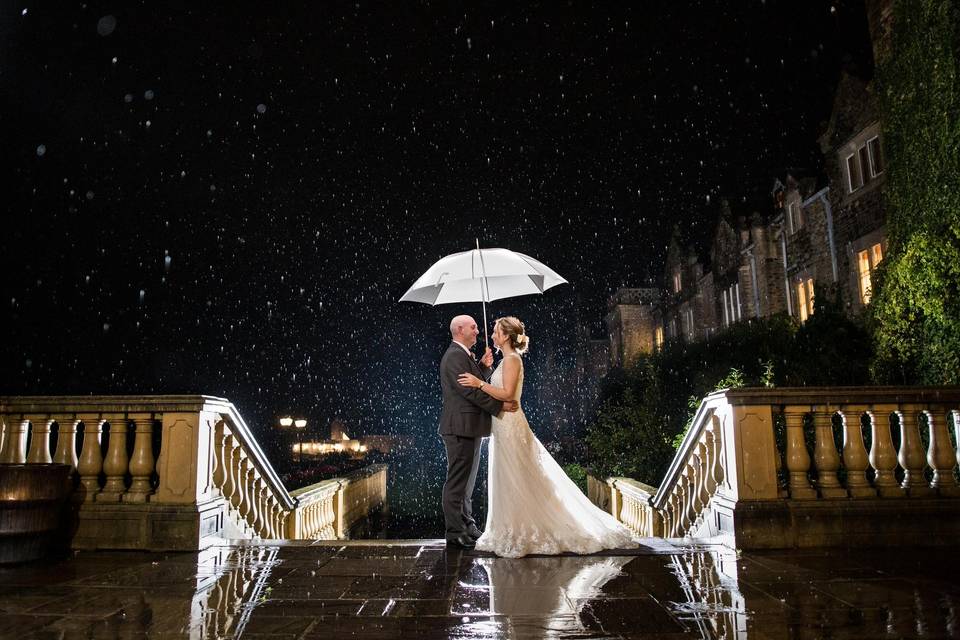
x,y
915,316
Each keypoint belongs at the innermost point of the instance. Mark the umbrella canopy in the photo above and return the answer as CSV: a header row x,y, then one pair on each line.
x,y
482,275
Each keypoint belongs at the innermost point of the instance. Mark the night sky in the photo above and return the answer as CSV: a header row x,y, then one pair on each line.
x,y
230,202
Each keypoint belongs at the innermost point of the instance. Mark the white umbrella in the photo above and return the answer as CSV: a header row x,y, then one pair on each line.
x,y
482,275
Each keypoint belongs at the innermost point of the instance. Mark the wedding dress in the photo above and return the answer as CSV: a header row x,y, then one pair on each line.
x,y
533,507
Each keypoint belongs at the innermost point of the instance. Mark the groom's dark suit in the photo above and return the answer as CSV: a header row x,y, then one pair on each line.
x,y
464,422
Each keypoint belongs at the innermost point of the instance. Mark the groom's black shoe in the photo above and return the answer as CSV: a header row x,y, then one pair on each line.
x,y
463,541
474,533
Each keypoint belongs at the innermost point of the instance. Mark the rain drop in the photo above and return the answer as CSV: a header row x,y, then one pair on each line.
x,y
128,98
41,150
89,195
106,25
261,108
148,94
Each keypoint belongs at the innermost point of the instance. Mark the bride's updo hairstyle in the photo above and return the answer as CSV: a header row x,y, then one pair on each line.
x,y
513,329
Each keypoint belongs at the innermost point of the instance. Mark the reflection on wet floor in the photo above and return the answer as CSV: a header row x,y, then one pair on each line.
x,y
381,590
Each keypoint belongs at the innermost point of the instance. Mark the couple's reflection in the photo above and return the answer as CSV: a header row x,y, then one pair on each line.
x,y
542,596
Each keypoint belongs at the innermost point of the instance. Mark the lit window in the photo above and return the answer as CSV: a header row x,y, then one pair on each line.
x,y
658,336
676,282
867,261
805,299
690,328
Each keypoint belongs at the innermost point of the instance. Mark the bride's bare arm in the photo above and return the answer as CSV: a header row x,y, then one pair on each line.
x,y
511,375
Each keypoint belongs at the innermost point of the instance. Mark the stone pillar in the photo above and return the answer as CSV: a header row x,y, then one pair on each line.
x,y
798,459
941,456
15,441
911,453
66,452
855,455
91,458
116,463
186,443
40,440
826,456
142,463
883,458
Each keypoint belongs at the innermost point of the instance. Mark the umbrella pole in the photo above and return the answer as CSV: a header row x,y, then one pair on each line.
x,y
483,295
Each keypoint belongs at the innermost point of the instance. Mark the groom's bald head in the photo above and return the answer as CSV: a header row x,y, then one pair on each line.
x,y
464,330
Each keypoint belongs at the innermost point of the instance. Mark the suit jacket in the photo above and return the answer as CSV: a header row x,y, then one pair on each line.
x,y
466,411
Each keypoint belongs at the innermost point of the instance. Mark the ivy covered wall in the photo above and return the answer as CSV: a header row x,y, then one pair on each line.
x,y
916,314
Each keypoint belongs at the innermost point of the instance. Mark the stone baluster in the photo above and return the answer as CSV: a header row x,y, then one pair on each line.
x,y
91,458
142,463
230,453
250,493
116,463
701,498
798,458
686,494
66,452
40,440
883,457
714,475
220,470
855,459
940,455
260,523
825,455
15,442
270,517
239,497
911,453
676,515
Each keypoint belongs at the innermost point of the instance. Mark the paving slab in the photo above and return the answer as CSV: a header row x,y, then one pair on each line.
x,y
668,589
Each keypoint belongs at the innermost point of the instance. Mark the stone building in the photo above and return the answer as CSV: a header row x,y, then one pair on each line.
x,y
817,235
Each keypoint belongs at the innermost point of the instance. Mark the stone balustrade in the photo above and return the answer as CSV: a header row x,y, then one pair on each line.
x,y
763,468
168,472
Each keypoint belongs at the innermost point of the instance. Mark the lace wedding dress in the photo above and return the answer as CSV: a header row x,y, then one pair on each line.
x,y
533,507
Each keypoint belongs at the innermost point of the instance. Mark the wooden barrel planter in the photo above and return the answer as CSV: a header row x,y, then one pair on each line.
x,y
32,500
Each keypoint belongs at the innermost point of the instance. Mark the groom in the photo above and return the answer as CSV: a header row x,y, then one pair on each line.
x,y
464,422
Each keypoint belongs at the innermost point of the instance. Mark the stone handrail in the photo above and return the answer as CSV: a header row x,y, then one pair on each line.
x,y
210,481
729,458
731,481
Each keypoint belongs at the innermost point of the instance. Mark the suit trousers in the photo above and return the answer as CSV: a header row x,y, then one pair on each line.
x,y
463,461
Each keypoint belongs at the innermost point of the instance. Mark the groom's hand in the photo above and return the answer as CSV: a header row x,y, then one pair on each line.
x,y
487,359
510,406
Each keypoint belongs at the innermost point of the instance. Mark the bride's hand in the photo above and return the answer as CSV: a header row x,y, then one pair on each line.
x,y
469,380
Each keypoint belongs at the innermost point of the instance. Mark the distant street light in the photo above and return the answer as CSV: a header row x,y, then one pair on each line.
x,y
300,424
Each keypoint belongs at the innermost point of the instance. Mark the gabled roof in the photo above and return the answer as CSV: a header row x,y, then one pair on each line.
x,y
854,107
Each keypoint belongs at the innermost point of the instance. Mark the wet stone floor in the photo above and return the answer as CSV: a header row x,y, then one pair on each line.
x,y
418,590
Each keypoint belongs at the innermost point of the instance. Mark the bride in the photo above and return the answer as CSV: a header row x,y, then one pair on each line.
x,y
533,507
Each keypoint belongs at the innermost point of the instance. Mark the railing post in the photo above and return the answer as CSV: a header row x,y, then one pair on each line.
x,y
940,455
66,452
798,458
911,455
749,451
142,463
15,442
186,443
855,454
883,457
91,457
40,440
826,456
116,462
